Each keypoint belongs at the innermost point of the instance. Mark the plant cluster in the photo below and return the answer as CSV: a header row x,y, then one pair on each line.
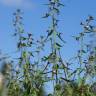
x,y
27,74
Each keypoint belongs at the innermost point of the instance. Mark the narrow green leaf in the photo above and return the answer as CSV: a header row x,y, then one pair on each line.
x,y
46,15
60,4
59,36
49,33
58,45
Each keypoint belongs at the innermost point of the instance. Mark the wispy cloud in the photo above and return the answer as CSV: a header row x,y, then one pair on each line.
x,y
17,3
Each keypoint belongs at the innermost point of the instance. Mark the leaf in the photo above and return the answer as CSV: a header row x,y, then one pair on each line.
x,y
91,58
45,58
29,35
23,44
60,4
58,87
71,74
95,48
91,18
65,79
57,10
23,38
59,36
18,10
76,38
83,51
31,54
58,45
50,32
46,15
15,34
56,67
46,4
24,54
50,94
18,44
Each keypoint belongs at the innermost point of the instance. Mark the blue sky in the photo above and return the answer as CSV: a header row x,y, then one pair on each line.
x,y
72,14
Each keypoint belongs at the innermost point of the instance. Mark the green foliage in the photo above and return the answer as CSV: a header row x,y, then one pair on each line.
x,y
34,70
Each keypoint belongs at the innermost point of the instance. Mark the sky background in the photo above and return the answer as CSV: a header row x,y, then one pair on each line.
x,y
72,14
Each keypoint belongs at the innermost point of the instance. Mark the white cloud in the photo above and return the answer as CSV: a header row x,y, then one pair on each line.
x,y
17,3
